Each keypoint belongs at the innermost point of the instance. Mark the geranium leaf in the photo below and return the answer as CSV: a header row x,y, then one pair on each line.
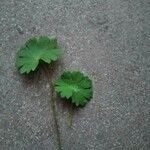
x,y
34,50
75,87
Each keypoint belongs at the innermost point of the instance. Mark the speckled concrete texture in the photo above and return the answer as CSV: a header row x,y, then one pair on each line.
x,y
109,40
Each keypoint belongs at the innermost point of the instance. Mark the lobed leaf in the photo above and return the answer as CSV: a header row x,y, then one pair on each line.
x,y
35,50
75,87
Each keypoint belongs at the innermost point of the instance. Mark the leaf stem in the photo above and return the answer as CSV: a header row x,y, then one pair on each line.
x,y
53,108
70,116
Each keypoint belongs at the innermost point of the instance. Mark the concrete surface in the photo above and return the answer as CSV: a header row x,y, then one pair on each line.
x,y
107,39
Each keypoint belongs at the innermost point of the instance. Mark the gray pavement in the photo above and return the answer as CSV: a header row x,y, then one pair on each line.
x,y
107,39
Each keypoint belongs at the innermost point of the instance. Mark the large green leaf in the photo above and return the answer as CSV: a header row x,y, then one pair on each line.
x,y
75,87
34,50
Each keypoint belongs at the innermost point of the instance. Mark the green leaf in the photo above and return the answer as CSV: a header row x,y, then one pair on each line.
x,y
74,86
34,50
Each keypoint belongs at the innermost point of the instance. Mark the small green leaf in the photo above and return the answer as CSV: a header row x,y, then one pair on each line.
x,y
75,87
34,50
